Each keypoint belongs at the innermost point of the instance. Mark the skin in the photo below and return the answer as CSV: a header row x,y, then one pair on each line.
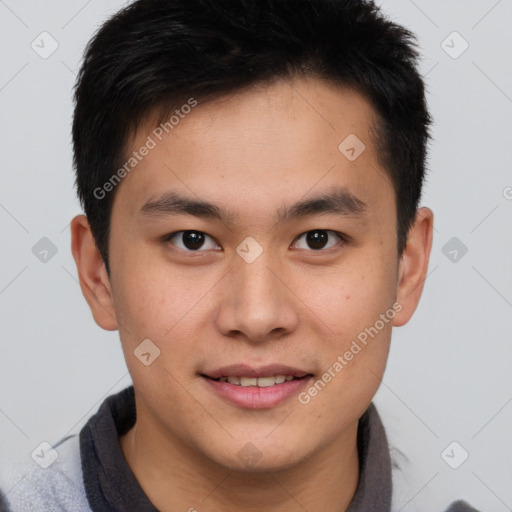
x,y
253,152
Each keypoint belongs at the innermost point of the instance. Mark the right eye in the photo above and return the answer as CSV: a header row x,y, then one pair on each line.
x,y
190,240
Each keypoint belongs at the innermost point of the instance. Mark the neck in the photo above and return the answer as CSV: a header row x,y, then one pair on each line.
x,y
326,481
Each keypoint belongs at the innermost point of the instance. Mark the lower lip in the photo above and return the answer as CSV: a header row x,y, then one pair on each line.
x,y
254,397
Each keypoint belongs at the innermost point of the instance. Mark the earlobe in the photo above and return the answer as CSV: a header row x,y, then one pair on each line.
x,y
414,265
92,274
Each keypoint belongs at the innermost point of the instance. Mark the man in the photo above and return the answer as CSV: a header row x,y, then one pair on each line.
x,y
250,173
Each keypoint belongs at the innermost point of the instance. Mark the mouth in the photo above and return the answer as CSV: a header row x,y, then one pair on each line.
x,y
256,388
260,382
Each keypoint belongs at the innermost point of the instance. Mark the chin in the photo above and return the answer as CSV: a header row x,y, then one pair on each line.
x,y
258,457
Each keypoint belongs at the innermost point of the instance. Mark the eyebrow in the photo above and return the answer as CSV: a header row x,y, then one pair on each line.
x,y
339,201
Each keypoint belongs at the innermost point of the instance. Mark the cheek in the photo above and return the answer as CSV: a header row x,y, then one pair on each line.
x,y
151,298
167,311
351,303
351,297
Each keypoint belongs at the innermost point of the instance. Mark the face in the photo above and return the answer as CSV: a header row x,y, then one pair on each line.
x,y
251,248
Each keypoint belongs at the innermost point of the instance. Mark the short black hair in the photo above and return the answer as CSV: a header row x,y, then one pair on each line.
x,y
154,54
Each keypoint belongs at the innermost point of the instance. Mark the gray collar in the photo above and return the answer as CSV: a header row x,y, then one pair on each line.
x,y
375,488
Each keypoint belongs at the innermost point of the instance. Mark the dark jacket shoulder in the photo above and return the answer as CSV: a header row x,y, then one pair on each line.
x,y
460,506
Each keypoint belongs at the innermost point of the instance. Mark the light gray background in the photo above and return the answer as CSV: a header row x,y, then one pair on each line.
x,y
449,376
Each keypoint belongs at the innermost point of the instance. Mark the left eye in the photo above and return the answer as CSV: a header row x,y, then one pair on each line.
x,y
319,239
191,240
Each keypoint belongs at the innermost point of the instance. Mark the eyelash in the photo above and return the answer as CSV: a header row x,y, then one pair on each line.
x,y
344,239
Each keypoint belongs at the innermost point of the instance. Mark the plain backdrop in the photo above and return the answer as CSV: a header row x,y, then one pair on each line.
x,y
449,376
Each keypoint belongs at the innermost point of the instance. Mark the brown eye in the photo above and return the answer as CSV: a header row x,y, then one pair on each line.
x,y
318,239
191,240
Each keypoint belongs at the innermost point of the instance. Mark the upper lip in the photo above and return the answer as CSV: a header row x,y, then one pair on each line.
x,y
244,370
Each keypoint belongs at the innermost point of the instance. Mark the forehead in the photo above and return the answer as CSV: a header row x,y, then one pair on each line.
x,y
278,139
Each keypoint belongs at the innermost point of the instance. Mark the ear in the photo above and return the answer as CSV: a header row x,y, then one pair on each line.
x,y
92,274
414,265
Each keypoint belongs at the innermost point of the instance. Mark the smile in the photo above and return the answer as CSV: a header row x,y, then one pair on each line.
x,y
261,382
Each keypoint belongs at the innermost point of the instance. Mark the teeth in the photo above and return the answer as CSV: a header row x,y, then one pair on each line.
x,y
261,382
265,382
248,381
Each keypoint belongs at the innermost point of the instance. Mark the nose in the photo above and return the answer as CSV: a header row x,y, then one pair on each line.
x,y
257,305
